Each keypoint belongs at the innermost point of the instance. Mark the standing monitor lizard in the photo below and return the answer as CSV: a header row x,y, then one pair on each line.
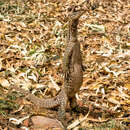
x,y
72,69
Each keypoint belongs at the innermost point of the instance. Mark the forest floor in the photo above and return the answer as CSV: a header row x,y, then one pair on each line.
x,y
32,42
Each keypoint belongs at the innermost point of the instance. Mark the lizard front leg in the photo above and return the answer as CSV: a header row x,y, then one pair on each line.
x,y
61,115
67,56
62,108
67,59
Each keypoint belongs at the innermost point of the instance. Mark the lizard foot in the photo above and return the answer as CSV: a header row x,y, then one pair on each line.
x,y
82,110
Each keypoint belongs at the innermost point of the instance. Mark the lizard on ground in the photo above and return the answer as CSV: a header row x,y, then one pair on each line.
x,y
72,68
72,60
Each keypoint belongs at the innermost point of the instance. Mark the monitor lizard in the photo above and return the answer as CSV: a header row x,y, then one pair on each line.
x,y
72,69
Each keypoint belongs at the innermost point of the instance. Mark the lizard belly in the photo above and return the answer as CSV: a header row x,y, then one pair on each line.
x,y
76,80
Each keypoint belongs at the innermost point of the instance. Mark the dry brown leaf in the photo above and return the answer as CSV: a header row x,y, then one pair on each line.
x,y
4,82
127,86
113,100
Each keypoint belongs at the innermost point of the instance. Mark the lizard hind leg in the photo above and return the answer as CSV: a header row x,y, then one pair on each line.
x,y
63,100
77,108
73,102
62,114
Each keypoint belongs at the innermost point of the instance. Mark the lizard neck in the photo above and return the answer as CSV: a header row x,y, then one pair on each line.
x,y
72,30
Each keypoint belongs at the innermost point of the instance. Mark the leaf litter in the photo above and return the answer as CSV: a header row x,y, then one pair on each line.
x,y
32,40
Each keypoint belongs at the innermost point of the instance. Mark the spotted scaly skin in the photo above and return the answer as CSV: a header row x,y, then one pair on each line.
x,y
72,61
73,74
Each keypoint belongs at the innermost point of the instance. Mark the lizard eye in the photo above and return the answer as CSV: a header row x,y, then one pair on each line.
x,y
71,8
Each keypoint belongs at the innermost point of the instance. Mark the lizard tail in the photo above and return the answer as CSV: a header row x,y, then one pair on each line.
x,y
50,102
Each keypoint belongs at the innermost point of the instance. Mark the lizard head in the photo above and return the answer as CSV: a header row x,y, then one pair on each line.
x,y
75,14
74,17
